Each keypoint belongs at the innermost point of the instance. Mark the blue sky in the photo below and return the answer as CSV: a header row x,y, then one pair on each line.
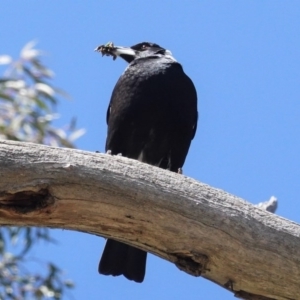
x,y
244,59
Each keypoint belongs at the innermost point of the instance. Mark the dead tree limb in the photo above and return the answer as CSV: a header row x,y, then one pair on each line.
x,y
203,230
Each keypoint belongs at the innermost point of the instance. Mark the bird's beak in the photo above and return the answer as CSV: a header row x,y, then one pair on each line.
x,y
120,51
126,53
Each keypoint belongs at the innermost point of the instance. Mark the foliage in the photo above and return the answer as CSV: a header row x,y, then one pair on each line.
x,y
16,282
27,103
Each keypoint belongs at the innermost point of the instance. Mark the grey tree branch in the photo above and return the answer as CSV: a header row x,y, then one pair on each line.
x,y
203,230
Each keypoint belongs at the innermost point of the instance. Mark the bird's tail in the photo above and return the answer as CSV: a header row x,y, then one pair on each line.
x,y
121,259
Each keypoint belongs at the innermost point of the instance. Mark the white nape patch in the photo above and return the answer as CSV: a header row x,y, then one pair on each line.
x,y
168,54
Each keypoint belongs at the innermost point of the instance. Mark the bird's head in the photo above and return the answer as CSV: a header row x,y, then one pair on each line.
x,y
129,54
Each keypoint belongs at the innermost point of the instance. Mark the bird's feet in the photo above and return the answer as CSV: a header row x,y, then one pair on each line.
x,y
179,171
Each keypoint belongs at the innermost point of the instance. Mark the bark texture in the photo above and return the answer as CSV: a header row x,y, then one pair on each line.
x,y
203,230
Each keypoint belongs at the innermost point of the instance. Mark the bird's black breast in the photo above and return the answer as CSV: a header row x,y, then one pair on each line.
x,y
152,114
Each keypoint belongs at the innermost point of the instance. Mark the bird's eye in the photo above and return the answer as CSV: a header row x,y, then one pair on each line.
x,y
144,47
